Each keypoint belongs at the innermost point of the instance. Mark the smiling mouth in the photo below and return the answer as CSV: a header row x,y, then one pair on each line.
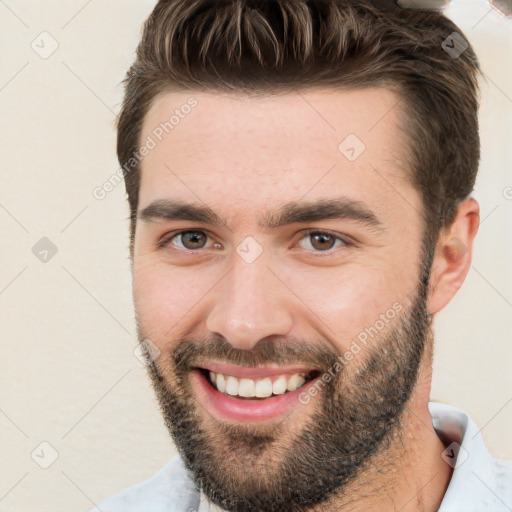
x,y
259,388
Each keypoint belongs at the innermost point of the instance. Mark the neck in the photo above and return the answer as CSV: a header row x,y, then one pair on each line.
x,y
408,473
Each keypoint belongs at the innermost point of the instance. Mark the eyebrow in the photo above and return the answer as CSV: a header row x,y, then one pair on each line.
x,y
293,212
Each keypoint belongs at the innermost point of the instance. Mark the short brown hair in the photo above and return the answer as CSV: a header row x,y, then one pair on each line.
x,y
279,46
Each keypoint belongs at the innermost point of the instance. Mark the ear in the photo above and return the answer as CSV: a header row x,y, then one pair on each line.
x,y
452,258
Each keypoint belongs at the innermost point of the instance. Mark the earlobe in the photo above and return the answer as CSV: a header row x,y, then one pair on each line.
x,y
452,259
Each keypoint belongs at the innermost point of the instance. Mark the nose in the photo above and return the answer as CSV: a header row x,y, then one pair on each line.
x,y
249,304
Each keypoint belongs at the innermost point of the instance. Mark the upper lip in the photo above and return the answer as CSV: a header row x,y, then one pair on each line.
x,y
254,371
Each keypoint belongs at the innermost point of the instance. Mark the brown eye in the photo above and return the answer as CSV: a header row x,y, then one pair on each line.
x,y
190,240
321,241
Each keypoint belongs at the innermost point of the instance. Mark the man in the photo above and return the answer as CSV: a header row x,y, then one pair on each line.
x,y
299,177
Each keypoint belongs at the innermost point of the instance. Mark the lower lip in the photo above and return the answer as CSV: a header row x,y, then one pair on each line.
x,y
226,407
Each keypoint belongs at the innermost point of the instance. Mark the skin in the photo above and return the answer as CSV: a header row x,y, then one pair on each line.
x,y
245,156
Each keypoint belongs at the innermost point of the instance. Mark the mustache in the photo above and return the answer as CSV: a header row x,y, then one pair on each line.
x,y
279,351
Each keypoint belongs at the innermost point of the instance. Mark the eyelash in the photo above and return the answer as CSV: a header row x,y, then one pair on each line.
x,y
166,241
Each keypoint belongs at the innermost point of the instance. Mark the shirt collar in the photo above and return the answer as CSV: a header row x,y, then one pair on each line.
x,y
206,506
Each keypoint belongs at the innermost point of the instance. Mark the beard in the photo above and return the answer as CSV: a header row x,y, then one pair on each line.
x,y
300,462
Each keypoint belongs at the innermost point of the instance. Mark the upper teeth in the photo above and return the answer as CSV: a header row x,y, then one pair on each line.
x,y
259,388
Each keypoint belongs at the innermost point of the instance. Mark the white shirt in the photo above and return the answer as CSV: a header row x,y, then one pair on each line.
x,y
479,483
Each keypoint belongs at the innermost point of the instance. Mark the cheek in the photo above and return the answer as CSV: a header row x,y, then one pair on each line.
x,y
352,300
163,297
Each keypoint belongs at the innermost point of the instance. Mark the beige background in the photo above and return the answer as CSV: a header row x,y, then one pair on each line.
x,y
68,374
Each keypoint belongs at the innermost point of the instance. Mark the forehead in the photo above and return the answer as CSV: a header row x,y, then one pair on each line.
x,y
271,148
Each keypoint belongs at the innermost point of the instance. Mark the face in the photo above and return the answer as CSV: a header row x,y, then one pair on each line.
x,y
278,270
